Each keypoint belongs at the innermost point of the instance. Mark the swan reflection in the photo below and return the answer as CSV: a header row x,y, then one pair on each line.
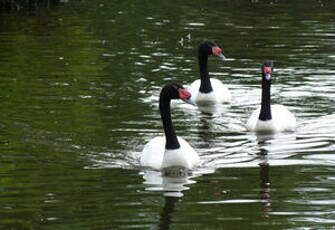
x,y
167,211
172,183
265,188
265,183
208,109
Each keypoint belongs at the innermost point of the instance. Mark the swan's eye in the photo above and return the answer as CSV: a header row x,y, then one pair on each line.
x,y
267,70
216,50
184,94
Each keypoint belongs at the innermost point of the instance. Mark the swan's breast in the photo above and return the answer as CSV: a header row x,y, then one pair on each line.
x,y
220,93
154,155
282,120
185,156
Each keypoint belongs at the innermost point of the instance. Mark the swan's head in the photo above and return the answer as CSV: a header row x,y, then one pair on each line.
x,y
177,91
267,70
211,48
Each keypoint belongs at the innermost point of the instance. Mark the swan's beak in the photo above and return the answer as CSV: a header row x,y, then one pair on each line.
x,y
267,76
221,56
217,51
185,96
189,101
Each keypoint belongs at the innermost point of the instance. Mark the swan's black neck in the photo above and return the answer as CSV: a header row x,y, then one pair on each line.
x,y
205,86
170,134
265,113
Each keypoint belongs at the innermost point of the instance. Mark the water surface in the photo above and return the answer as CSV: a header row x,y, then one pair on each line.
x,y
79,89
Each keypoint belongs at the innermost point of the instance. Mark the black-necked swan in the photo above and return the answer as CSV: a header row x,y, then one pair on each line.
x,y
270,118
169,151
206,90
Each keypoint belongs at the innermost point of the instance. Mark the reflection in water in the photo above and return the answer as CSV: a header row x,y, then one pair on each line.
x,y
172,182
213,109
166,214
265,190
204,133
262,139
264,174
208,109
172,185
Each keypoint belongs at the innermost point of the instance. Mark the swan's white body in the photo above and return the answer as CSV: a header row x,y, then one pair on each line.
x,y
220,93
282,120
154,155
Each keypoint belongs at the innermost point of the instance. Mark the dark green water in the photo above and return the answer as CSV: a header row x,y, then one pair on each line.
x,y
79,91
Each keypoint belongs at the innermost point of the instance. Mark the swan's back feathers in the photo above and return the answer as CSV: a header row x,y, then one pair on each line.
x,y
154,155
282,120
